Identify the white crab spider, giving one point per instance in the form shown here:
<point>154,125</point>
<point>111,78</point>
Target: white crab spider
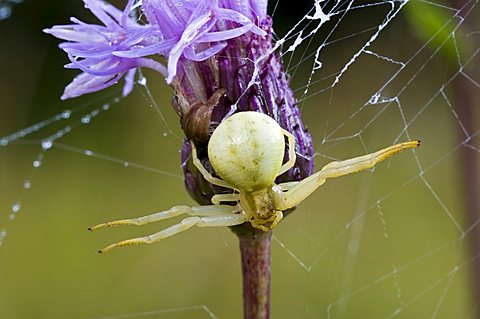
<point>246,151</point>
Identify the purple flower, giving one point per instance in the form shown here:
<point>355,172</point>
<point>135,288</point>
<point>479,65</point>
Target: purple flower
<point>218,57</point>
<point>92,48</point>
<point>177,30</point>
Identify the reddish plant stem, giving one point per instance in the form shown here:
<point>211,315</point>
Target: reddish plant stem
<point>255,253</point>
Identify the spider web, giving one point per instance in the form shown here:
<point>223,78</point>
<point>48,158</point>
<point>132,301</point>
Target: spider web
<point>394,242</point>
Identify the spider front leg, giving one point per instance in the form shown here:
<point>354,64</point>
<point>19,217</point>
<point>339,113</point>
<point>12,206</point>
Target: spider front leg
<point>222,198</point>
<point>296,193</point>
<point>203,216</point>
<point>292,157</point>
<point>260,223</point>
<point>206,174</point>
<point>286,186</point>
<point>209,221</point>
<point>277,219</point>
<point>210,210</point>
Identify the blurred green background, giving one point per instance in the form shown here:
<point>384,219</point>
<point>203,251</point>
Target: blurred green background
<point>392,243</point>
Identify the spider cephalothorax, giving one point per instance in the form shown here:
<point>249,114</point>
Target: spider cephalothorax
<point>246,151</point>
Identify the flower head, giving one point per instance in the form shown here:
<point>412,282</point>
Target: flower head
<point>218,56</point>
<point>97,49</point>
<point>177,30</point>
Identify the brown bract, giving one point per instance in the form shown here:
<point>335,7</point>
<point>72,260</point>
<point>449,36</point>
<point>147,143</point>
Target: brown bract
<point>197,121</point>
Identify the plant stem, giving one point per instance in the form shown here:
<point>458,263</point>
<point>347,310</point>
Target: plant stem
<point>255,253</point>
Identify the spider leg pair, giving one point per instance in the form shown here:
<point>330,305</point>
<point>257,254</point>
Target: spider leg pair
<point>201,216</point>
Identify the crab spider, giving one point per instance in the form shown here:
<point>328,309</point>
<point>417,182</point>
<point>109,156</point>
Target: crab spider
<point>246,151</point>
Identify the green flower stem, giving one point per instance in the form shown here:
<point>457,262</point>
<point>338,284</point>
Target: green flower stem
<point>255,253</point>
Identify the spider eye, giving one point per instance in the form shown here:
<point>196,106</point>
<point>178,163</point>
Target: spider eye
<point>247,150</point>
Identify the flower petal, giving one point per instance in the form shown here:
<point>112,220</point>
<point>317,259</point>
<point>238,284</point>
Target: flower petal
<point>194,30</point>
<point>102,11</point>
<point>225,35</point>
<point>191,54</point>
<point>158,48</point>
<point>129,82</point>
<point>71,33</point>
<point>239,18</point>
<point>106,67</point>
<point>259,9</point>
<point>87,83</point>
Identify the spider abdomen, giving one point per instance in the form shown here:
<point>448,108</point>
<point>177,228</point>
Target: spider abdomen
<point>247,150</point>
